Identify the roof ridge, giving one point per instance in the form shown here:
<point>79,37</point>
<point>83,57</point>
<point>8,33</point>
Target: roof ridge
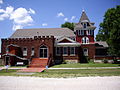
<point>40,28</point>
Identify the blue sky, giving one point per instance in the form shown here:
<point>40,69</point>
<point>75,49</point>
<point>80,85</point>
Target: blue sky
<point>16,14</point>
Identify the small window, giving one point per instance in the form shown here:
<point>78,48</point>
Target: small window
<point>85,51</point>
<point>58,50</point>
<point>32,51</point>
<point>72,51</point>
<point>65,51</point>
<point>84,25</point>
<point>24,51</point>
<point>82,32</point>
<point>91,32</point>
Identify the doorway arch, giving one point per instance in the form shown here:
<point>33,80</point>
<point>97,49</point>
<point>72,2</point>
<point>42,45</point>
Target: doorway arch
<point>43,52</point>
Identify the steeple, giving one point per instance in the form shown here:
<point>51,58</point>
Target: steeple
<point>84,30</point>
<point>84,17</point>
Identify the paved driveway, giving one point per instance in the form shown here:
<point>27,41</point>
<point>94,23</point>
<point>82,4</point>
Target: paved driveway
<point>81,83</point>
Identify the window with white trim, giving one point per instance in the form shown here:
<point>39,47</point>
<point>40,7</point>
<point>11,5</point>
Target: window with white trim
<point>88,32</point>
<point>58,50</point>
<point>32,51</point>
<point>72,51</point>
<point>84,25</point>
<point>82,32</point>
<point>65,51</point>
<point>24,51</point>
<point>85,51</point>
<point>91,32</point>
<point>85,40</point>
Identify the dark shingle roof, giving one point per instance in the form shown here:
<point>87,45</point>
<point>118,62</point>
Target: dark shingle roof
<point>30,33</point>
<point>84,17</point>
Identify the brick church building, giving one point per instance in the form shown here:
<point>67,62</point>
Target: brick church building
<point>50,46</point>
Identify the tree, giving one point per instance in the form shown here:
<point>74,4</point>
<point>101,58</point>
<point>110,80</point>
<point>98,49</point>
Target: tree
<point>68,25</point>
<point>109,30</point>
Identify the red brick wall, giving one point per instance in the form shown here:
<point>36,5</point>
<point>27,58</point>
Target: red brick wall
<point>35,42</point>
<point>91,50</point>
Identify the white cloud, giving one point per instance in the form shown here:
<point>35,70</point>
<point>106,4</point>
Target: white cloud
<point>31,11</point>
<point>6,13</point>
<point>60,14</point>
<point>3,16</point>
<point>44,24</point>
<point>2,11</point>
<point>65,19</point>
<point>20,16</point>
<point>15,27</point>
<point>9,10</point>
<point>1,1</point>
<point>73,17</point>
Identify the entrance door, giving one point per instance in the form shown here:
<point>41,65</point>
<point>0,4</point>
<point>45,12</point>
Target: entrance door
<point>7,60</point>
<point>43,52</point>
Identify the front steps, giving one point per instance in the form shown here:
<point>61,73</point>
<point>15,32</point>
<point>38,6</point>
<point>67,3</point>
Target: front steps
<point>37,65</point>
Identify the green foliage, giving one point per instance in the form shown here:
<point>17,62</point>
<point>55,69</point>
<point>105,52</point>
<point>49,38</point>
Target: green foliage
<point>68,25</point>
<point>105,60</point>
<point>109,30</point>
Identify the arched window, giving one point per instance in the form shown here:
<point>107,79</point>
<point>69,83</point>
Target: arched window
<point>85,40</point>
<point>43,52</point>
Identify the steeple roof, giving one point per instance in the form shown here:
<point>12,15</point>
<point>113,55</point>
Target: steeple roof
<point>84,20</point>
<point>84,17</point>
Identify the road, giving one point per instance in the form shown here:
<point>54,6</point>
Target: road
<point>80,83</point>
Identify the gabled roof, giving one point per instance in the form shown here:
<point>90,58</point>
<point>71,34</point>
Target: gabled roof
<point>66,38</point>
<point>68,44</point>
<point>84,17</point>
<point>101,44</point>
<point>30,33</point>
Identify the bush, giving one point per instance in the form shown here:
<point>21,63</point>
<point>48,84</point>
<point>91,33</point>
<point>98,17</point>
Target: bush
<point>105,61</point>
<point>116,61</point>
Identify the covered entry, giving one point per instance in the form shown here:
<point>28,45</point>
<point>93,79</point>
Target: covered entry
<point>43,52</point>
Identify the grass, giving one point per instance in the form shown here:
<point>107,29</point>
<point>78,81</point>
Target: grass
<point>10,72</point>
<point>70,73</point>
<point>67,73</point>
<point>78,65</point>
<point>79,73</point>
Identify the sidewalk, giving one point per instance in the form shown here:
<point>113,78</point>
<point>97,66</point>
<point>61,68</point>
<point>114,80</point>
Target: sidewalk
<point>12,68</point>
<point>88,68</point>
<point>66,68</point>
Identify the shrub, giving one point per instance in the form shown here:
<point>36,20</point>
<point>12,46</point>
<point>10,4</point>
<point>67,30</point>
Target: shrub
<point>105,61</point>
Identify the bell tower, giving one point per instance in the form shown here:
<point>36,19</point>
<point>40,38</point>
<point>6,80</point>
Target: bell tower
<point>84,30</point>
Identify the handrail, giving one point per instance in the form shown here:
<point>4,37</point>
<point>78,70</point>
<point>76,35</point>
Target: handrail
<point>49,60</point>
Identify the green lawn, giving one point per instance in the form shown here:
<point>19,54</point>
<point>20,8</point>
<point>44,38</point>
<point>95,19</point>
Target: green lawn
<point>67,73</point>
<point>10,72</point>
<point>78,73</point>
<point>78,65</point>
